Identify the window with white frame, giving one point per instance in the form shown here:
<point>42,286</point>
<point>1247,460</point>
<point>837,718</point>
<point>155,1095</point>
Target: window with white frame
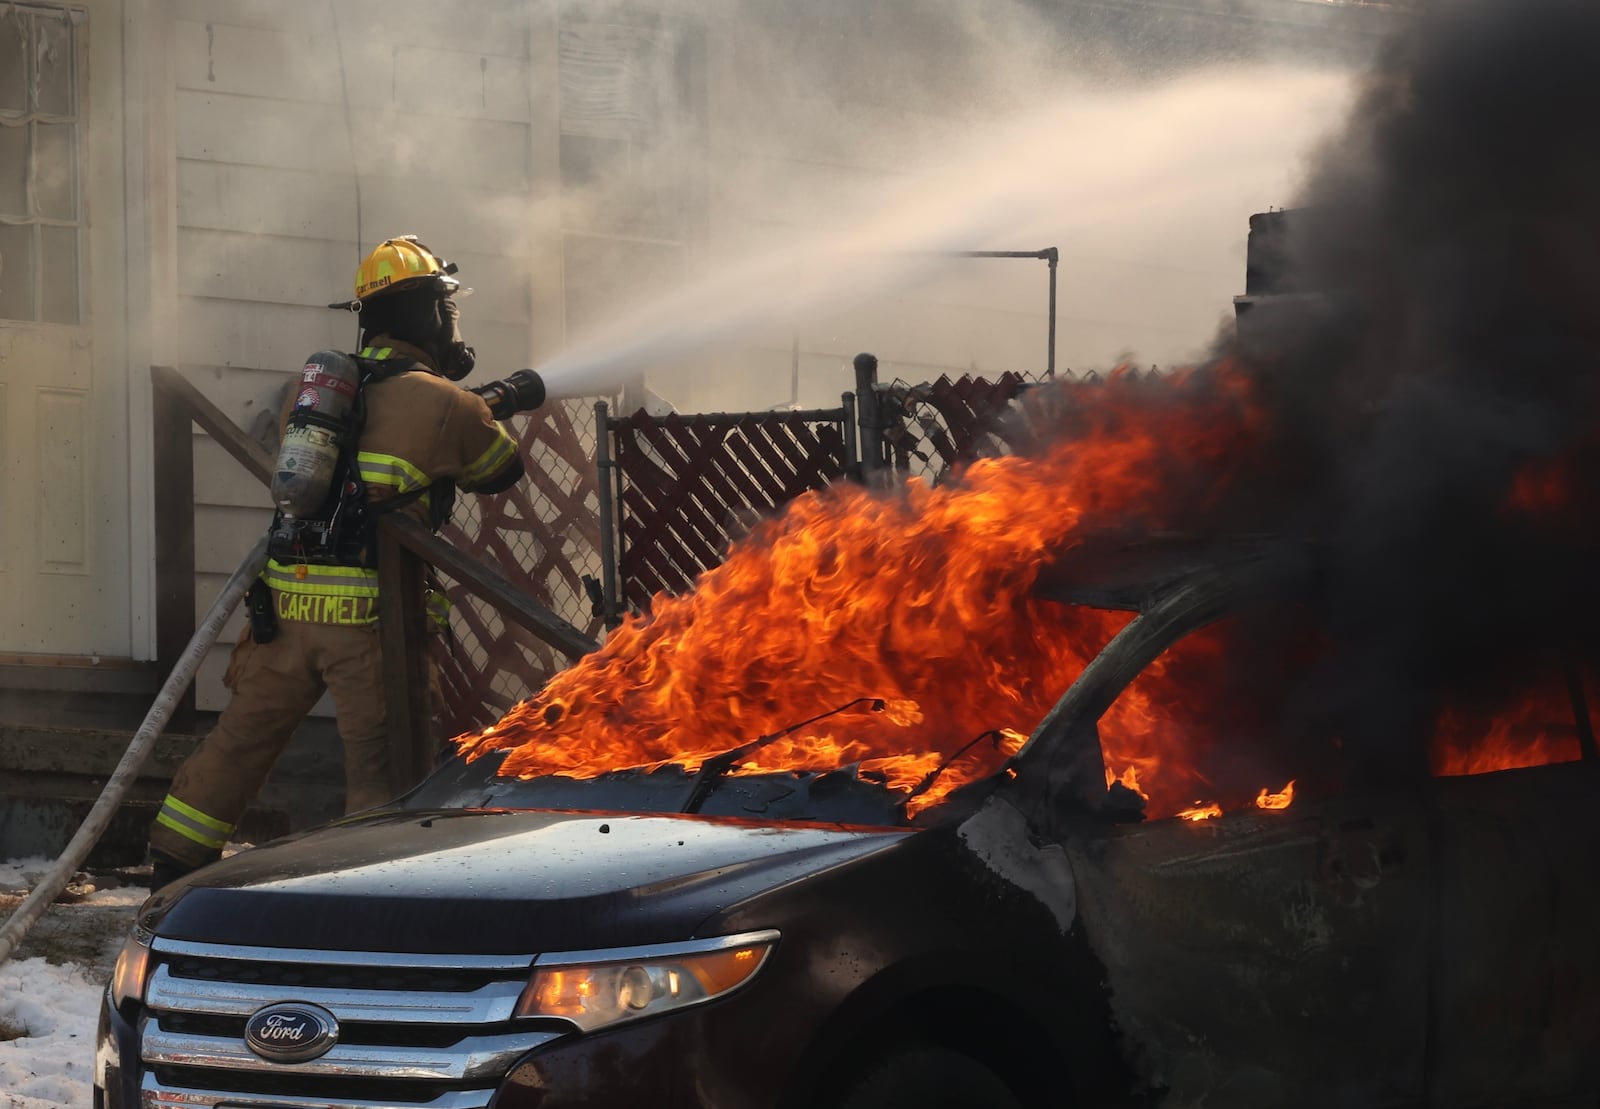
<point>41,207</point>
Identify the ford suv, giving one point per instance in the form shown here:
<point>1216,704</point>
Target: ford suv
<point>798,941</point>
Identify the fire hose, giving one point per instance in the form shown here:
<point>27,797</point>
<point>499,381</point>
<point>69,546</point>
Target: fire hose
<point>133,759</point>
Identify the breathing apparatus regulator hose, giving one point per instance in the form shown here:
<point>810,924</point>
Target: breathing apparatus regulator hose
<point>122,778</point>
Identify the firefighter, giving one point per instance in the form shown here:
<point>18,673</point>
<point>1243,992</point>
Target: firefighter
<point>314,610</point>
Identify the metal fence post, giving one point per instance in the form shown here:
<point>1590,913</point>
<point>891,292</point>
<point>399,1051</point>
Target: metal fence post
<point>847,429</point>
<point>1053,259</point>
<point>609,554</point>
<point>869,418</point>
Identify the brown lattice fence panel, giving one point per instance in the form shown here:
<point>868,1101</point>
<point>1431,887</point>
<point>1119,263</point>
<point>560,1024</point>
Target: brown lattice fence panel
<point>690,485</point>
<point>544,535</point>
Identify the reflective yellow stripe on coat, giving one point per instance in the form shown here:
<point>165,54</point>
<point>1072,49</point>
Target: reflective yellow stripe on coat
<point>390,471</point>
<point>492,460</point>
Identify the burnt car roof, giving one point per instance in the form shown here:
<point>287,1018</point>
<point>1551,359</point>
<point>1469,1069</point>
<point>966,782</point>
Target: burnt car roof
<point>1133,573</point>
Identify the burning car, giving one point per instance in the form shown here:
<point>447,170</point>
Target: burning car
<point>741,935</point>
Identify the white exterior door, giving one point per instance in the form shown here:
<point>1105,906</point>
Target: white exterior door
<point>63,390</point>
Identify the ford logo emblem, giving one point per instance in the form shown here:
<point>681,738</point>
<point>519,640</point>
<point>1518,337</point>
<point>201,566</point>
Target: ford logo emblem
<point>291,1032</point>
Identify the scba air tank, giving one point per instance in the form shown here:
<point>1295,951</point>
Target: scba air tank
<point>315,432</point>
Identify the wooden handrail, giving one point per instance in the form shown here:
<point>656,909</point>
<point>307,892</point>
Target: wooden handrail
<point>488,583</point>
<point>229,436</point>
<point>404,547</point>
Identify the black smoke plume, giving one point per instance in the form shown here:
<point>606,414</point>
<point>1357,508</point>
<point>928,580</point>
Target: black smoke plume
<point>1433,411</point>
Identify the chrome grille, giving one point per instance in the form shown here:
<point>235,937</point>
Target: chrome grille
<point>431,1031</point>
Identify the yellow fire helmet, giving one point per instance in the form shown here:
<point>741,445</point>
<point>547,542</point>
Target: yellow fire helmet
<point>400,263</point>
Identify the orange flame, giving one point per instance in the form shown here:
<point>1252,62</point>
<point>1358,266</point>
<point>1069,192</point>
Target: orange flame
<point>1280,800</point>
<point>1538,729</point>
<point>922,596</point>
<point>1129,779</point>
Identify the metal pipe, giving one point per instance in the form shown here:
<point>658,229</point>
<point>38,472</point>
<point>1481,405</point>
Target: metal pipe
<point>608,542</point>
<point>869,419</point>
<point>851,457</point>
<point>1052,259</point>
<point>122,778</point>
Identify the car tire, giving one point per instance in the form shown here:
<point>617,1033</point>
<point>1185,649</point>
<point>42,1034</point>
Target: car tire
<point>927,1077</point>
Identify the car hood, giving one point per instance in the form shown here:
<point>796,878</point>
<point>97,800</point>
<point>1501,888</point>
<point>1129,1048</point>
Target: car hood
<point>496,881</point>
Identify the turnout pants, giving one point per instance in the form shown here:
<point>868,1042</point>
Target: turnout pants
<point>275,685</point>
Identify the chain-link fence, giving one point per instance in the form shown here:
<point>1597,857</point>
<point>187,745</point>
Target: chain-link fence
<point>544,535</point>
<point>934,428</point>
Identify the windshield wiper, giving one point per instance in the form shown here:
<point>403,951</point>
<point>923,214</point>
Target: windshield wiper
<point>718,765</point>
<point>993,735</point>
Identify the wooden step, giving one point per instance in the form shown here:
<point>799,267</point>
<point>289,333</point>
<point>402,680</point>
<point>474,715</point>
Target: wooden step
<point>50,778</point>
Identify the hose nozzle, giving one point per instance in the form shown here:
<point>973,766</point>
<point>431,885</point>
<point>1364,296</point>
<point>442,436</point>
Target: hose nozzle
<point>522,391</point>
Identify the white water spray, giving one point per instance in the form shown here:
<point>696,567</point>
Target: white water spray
<point>1146,192</point>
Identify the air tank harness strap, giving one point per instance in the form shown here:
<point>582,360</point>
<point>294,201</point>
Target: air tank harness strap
<point>360,515</point>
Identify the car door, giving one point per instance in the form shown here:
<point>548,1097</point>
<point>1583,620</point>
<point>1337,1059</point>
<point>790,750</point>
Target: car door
<point>1267,958</point>
<point>1518,968</point>
<point>1259,958</point>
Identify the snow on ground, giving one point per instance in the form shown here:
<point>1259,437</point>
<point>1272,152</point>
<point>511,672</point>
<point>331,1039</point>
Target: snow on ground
<point>50,988</point>
<point>51,1011</point>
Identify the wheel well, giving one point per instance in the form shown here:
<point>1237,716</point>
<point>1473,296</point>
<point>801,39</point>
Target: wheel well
<point>967,1019</point>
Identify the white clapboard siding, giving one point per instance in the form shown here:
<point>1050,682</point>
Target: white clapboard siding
<point>492,27</point>
<point>219,127</point>
<point>456,216</point>
<point>269,201</point>
<point>287,134</point>
<point>278,65</point>
<point>218,332</point>
<point>294,65</point>
<point>264,269</point>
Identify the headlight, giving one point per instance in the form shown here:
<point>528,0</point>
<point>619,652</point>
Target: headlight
<point>132,970</point>
<point>594,989</point>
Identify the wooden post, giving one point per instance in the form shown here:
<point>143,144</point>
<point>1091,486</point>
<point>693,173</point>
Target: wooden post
<point>174,534</point>
<point>403,635</point>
